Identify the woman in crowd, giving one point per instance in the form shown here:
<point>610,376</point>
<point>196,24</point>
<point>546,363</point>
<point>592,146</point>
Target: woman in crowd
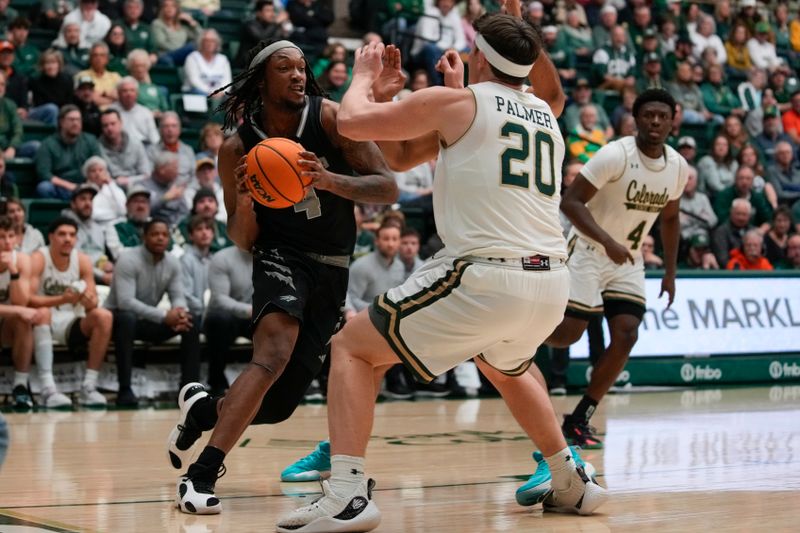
<point>174,33</point>
<point>717,169</point>
<point>207,69</point>
<point>153,97</point>
<point>118,49</point>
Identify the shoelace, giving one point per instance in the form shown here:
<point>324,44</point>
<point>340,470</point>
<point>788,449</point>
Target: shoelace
<point>186,434</point>
<point>207,487</point>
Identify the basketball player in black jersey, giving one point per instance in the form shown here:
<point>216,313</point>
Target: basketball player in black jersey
<point>300,253</point>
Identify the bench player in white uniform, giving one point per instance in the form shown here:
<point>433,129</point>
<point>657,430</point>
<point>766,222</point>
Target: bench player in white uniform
<point>62,279</point>
<point>612,205</point>
<point>498,288</point>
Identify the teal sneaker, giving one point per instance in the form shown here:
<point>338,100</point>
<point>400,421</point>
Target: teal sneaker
<point>312,467</point>
<point>538,485</point>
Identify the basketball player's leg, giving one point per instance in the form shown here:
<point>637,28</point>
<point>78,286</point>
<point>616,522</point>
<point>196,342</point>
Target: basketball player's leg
<point>96,326</point>
<point>568,331</point>
<point>16,333</point>
<point>624,333</point>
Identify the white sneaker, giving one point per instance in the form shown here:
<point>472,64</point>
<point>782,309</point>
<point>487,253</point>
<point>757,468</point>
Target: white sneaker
<point>91,398</point>
<point>334,514</point>
<point>183,436</point>
<point>52,399</point>
<point>197,497</point>
<point>582,497</point>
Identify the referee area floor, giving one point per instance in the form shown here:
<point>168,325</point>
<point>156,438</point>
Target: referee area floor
<point>681,460</point>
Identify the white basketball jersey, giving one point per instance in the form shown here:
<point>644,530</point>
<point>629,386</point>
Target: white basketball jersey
<point>632,189</point>
<point>5,281</point>
<point>496,190</point>
<point>54,281</point>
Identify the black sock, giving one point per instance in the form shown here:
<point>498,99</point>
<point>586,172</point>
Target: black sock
<point>204,414</point>
<point>585,408</point>
<point>207,465</point>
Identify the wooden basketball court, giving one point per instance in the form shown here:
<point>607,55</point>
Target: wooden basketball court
<point>688,460</point>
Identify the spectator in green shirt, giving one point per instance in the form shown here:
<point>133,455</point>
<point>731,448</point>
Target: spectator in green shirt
<point>61,155</point>
<point>117,49</point>
<point>760,214</point>
<point>614,66</point>
<point>718,97</point>
<point>151,96</point>
<point>562,57</point>
<point>76,56</point>
<point>650,77</point>
<point>205,204</point>
<point>10,123</point>
<point>26,56</point>
<point>137,33</point>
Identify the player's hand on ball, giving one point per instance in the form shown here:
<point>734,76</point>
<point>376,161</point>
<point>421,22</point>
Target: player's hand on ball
<point>369,61</point>
<point>618,253</point>
<point>240,175</point>
<point>314,171</point>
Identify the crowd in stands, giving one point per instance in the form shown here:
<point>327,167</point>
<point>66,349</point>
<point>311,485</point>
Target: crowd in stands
<point>146,203</point>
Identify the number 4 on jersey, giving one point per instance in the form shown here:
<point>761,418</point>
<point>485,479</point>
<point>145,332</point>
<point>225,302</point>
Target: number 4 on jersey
<point>310,204</point>
<point>636,235</point>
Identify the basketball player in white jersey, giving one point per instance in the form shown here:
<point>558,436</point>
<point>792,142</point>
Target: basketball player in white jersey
<point>62,280</point>
<point>612,205</point>
<point>498,288</point>
<point>16,319</point>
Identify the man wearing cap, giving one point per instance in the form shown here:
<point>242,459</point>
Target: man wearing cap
<point>84,100</point>
<point>206,178</point>
<point>718,97</point>
<point>687,147</point>
<point>682,53</point>
<point>698,255</point>
<point>105,81</point>
<point>697,217</point>
<point>93,24</point>
<point>16,83</point>
<point>137,120</point>
<point>206,205</point>
<point>582,96</point>
<point>26,55</point>
<point>762,52</point>
<point>91,235</point>
<point>128,233</point>
<point>771,134</point>
<point>651,73</point>
<point>127,158</point>
<point>61,155</point>
<point>614,66</point>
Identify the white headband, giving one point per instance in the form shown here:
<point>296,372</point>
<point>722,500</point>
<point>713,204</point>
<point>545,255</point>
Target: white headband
<point>499,62</point>
<point>271,49</point>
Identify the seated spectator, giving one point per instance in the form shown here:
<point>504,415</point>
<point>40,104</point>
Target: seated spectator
<point>207,70</point>
<point>7,15</point>
<point>717,169</point>
<point>687,93</point>
<point>166,198</point>
<point>83,99</point>
<point>582,96</point>
<point>73,50</point>
<point>415,183</point>
<point>749,256</point>
<point>409,250</point>
<point>585,140</point>
<point>264,26</point>
<point>696,215</point>
<point>16,83</point>
<point>206,178</point>
<point>748,157</point>
<point>705,37</point>
<point>784,174</point>
<point>54,11</point>
<point>151,96</point>
<point>734,131</point>
<point>650,77</point>
<point>205,7</point>
<point>91,235</point>
<point>29,239</point>
<point>376,272</point>
<point>793,253</point>
<point>50,87</point>
<point>668,35</point>
<point>211,138</point>
<point>118,49</point>
<point>601,33</point>
<point>63,282</point>
<point>776,239</point>
<point>194,262</point>
<point>626,127</point>
<point>624,108</point>
<point>61,155</point>
<point>687,147</point>
<point>335,80</point>
<point>205,205</point>
<point>174,33</point>
<point>563,58</point>
<point>93,24</point>
<point>752,91</point>
<point>365,239</point>
<point>105,81</point>
<point>127,158</point>
<point>169,128</point>
<point>311,19</point>
<point>144,274</point>
<point>718,97</point>
<point>26,55</point>
<point>128,233</point>
<point>577,37</point>
<point>682,54</point>
<point>761,212</point>
<point>641,27</point>
<point>770,136</point>
<point>791,119</point>
<point>762,51</point>
<point>739,63</point>
<point>614,66</point>
<point>728,235</point>
<point>11,127</point>
<point>782,88</point>
<point>229,311</point>
<point>137,120</point>
<point>651,260</point>
<point>108,205</point>
<point>437,32</point>
<point>138,34</point>
<point>699,255</point>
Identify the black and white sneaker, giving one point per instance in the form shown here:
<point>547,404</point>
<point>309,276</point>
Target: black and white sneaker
<point>184,435</point>
<point>196,496</point>
<point>582,497</point>
<point>335,514</point>
<point>21,398</point>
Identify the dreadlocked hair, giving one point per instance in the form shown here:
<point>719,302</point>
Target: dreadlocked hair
<point>244,95</point>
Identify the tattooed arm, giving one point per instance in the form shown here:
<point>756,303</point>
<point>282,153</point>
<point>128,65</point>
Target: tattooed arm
<point>375,184</point>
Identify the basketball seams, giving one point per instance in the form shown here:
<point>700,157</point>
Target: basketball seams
<point>266,177</point>
<point>299,179</point>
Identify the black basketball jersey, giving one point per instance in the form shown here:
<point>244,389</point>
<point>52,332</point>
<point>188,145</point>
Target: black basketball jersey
<point>323,222</point>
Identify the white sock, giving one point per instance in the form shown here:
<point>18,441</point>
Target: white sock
<point>43,351</point>
<point>347,472</point>
<point>20,378</point>
<point>90,379</point>
<point>562,465</point>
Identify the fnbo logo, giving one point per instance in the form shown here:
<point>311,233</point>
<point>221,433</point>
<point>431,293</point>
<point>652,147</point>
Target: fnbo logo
<point>776,370</point>
<point>691,372</point>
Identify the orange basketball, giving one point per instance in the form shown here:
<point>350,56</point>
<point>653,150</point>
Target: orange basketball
<point>273,175</point>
